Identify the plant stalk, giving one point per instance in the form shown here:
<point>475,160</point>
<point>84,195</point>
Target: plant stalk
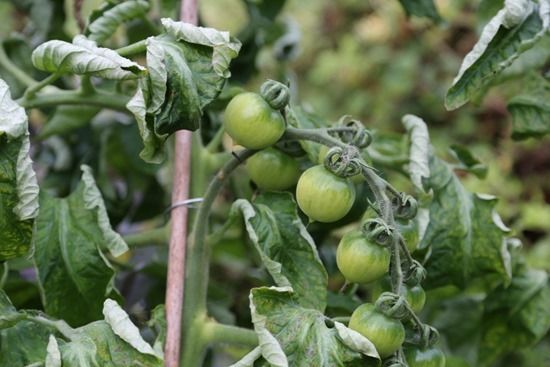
<point>17,73</point>
<point>100,99</point>
<point>198,267</point>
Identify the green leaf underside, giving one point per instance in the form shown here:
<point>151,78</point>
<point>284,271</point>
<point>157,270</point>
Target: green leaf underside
<point>18,186</point>
<point>83,57</point>
<point>69,236</point>
<point>285,247</point>
<point>499,45</point>
<point>421,8</point>
<point>530,114</point>
<point>67,119</point>
<point>418,167</point>
<point>105,21</point>
<point>291,335</point>
<point>113,342</point>
<point>465,234</point>
<point>187,67</point>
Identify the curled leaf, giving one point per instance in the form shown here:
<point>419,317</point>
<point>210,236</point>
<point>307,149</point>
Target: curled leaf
<point>83,57</point>
<point>418,167</point>
<point>224,47</point>
<point>107,20</point>
<point>512,31</point>
<point>122,326</point>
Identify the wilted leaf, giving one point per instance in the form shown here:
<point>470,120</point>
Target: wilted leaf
<point>124,328</point>
<point>18,186</point>
<point>187,67</point>
<point>419,151</point>
<point>466,235</point>
<point>514,29</point>
<point>291,335</point>
<point>105,21</point>
<point>83,57</point>
<point>69,238</point>
<point>531,114</point>
<point>285,247</point>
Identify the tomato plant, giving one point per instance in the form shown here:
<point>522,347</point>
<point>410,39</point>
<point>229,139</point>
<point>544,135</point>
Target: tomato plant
<point>130,230</point>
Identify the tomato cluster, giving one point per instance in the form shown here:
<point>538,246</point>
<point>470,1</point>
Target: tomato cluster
<point>361,256</point>
<point>253,123</point>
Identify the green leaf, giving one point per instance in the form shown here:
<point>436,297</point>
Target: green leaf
<point>515,317</point>
<point>67,119</point>
<point>115,342</point>
<point>70,235</point>
<point>531,113</point>
<point>419,151</point>
<point>83,57</point>
<point>465,234</point>
<point>105,21</point>
<point>187,67</point>
<point>291,335</point>
<point>468,161</point>
<point>514,30</point>
<point>8,314</point>
<point>285,247</point>
<point>18,186</point>
<point>297,117</point>
<point>421,8</point>
<point>224,48</point>
<point>23,344</point>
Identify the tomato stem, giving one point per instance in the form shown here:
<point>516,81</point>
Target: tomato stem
<point>12,69</point>
<point>133,49</point>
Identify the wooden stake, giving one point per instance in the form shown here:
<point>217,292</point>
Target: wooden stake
<point>178,236</point>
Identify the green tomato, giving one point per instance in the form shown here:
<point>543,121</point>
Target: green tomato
<point>385,333</point>
<point>323,196</point>
<point>430,357</point>
<point>271,169</point>
<point>409,231</point>
<point>360,260</point>
<point>251,122</point>
<point>416,298</point>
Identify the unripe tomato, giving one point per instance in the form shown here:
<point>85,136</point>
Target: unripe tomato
<point>385,333</point>
<point>430,357</point>
<point>323,196</point>
<point>271,169</point>
<point>251,122</point>
<point>361,260</point>
<point>416,297</point>
<point>409,231</point>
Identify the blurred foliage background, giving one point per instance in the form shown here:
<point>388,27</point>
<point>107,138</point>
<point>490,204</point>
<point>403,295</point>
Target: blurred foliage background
<point>357,57</point>
<point>367,59</point>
